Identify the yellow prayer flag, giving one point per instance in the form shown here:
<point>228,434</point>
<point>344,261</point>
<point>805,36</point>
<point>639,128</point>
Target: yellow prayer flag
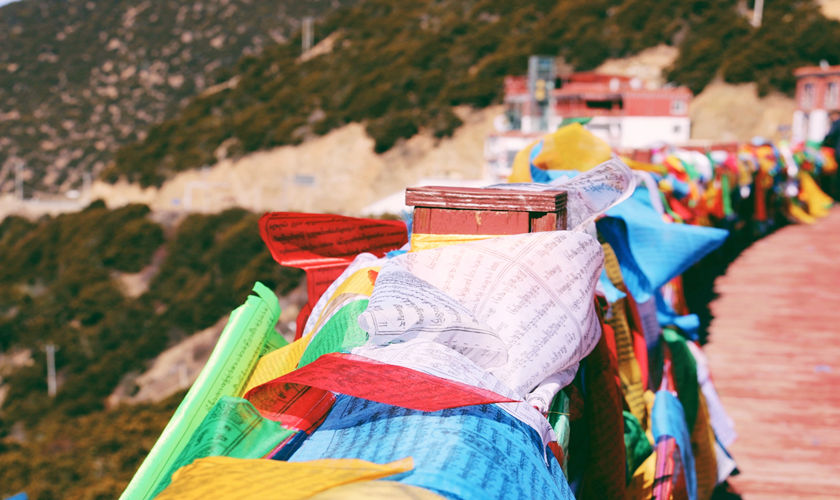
<point>703,448</point>
<point>571,147</point>
<point>277,363</point>
<point>377,490</point>
<point>641,485</point>
<point>817,202</point>
<point>422,241</point>
<point>226,477</point>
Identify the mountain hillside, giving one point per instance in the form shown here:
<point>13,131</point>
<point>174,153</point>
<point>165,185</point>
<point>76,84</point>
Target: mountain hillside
<point>152,91</point>
<point>830,8</point>
<point>400,67</point>
<point>179,86</point>
<point>80,77</point>
<point>111,289</point>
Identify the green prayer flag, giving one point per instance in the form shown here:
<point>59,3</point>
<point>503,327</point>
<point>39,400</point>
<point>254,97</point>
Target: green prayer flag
<point>339,333</point>
<point>684,371</point>
<point>232,428</point>
<point>558,418</point>
<point>636,443</point>
<point>726,193</point>
<point>225,374</point>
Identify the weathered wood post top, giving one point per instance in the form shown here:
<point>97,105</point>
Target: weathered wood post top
<point>496,211</point>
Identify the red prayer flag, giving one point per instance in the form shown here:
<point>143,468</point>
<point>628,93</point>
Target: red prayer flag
<point>604,469</point>
<point>375,381</point>
<point>323,245</point>
<point>669,479</point>
<point>295,406</point>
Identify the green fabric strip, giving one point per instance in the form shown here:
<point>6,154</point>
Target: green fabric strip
<point>232,428</point>
<point>684,371</point>
<point>636,443</point>
<point>340,334</point>
<point>225,374</point>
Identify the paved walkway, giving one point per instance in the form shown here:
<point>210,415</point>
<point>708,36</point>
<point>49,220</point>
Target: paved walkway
<point>774,349</point>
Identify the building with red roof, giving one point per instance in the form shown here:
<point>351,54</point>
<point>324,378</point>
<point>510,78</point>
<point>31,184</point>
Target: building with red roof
<point>817,94</point>
<point>623,111</point>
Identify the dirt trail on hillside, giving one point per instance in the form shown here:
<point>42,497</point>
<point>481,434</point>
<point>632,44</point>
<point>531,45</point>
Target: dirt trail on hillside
<point>648,65</point>
<point>338,173</point>
<point>722,112</point>
<point>726,112</point>
<point>831,8</point>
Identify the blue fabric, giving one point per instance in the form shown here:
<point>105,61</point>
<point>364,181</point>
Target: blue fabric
<point>614,232</point>
<point>681,189</point>
<point>537,174</point>
<point>612,293</point>
<point>689,324</point>
<point>668,419</point>
<point>651,251</point>
<point>471,452</point>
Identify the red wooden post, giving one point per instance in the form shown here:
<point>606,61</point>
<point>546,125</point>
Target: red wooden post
<point>450,210</point>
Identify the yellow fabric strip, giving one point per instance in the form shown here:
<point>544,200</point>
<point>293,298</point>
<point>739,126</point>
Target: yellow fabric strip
<point>649,397</point>
<point>225,477</point>
<point>277,363</point>
<point>647,167</point>
<point>377,490</point>
<point>359,283</point>
<point>628,368</point>
<point>423,241</point>
<point>703,448</point>
<point>799,214</point>
<point>817,202</point>
<point>641,485</point>
<point>284,360</point>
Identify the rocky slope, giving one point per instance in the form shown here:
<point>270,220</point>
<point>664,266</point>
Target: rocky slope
<point>80,77</point>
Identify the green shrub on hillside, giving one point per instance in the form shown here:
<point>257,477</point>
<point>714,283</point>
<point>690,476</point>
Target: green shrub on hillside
<point>201,274</point>
<point>62,289</point>
<point>388,130</point>
<point>793,34</point>
<point>62,282</point>
<point>701,55</point>
<point>128,250</point>
<point>87,457</point>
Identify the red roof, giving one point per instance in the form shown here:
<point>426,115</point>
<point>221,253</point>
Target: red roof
<point>592,77</point>
<point>816,71</point>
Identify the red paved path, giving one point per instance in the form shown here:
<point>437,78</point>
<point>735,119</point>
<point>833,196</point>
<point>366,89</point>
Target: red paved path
<point>774,349</point>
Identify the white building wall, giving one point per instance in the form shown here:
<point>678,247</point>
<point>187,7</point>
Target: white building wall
<point>500,150</point>
<point>529,124</point>
<point>799,129</point>
<point>817,125</point>
<point>607,128</point>
<point>642,131</point>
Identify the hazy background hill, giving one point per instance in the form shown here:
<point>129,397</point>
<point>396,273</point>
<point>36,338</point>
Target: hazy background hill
<point>400,67</point>
<point>80,77</point>
<point>166,85</point>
